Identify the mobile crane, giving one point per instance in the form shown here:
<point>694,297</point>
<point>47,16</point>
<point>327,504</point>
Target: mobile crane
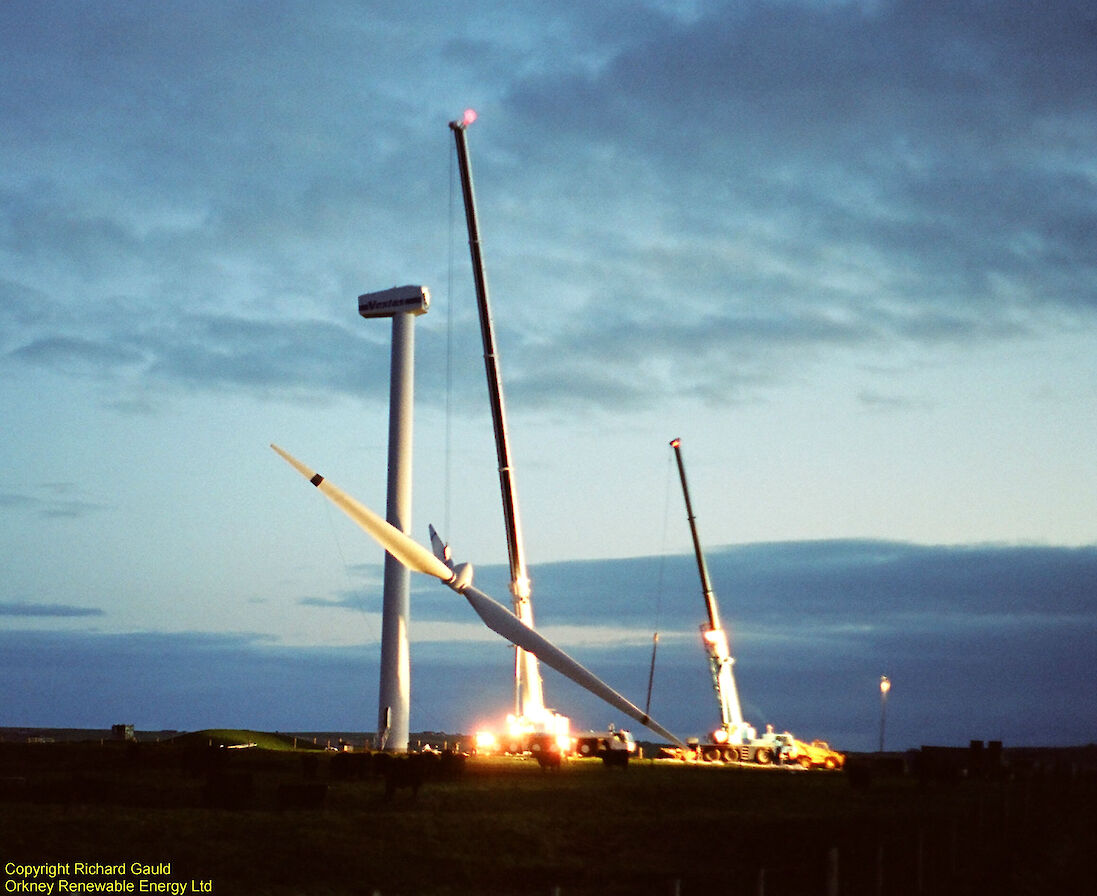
<point>532,725</point>
<point>735,740</point>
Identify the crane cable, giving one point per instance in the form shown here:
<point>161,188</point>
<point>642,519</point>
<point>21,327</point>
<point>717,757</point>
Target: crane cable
<point>447,489</point>
<point>659,585</point>
<point>352,587</point>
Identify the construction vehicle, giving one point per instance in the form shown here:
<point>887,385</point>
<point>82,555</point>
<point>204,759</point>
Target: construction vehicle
<point>735,740</point>
<point>614,746</point>
<point>767,749</point>
<point>818,754</point>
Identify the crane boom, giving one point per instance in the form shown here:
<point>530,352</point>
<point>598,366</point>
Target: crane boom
<point>714,637</point>
<point>528,676</point>
<point>702,567</point>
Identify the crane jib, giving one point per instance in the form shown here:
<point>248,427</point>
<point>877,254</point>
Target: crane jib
<point>702,567</point>
<point>515,547</point>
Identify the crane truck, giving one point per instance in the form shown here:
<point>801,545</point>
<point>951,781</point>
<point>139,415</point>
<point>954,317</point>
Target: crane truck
<point>735,740</point>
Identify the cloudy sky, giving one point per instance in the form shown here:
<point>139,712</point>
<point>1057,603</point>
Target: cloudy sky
<point>846,250</point>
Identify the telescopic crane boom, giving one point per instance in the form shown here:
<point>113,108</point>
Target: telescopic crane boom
<point>530,694</point>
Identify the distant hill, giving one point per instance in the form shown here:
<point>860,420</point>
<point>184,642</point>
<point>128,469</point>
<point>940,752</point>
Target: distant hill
<point>29,734</point>
<point>278,740</point>
<point>243,738</point>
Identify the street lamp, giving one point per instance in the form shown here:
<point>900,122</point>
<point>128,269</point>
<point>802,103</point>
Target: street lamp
<point>885,686</point>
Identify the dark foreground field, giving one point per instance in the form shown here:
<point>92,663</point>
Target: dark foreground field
<point>240,822</point>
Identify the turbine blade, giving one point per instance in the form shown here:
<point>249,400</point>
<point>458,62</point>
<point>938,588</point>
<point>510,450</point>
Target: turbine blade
<point>440,548</point>
<point>401,546</point>
<point>502,621</point>
<point>494,615</point>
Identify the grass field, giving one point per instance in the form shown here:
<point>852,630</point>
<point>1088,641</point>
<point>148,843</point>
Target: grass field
<point>504,826</point>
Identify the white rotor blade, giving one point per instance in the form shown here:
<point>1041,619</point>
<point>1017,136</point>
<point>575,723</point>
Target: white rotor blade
<point>440,548</point>
<point>403,548</point>
<point>502,621</point>
<point>495,616</point>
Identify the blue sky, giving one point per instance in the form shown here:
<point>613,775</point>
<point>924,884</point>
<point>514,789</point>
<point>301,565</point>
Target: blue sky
<point>846,251</point>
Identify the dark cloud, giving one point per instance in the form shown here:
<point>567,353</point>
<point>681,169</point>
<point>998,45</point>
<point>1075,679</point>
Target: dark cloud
<point>75,355</point>
<point>33,610</point>
<point>350,600</point>
<point>279,358</point>
<point>858,580</point>
<point>54,501</point>
<point>883,404</point>
<point>186,681</point>
<point>808,588</point>
<point>719,355</point>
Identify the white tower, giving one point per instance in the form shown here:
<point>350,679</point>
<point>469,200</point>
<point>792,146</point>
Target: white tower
<point>403,304</point>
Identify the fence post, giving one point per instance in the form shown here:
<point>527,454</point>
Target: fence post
<point>920,874</point>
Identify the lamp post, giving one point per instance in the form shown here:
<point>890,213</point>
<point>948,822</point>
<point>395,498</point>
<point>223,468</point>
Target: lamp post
<point>885,686</point>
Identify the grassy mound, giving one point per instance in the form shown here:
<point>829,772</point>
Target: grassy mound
<point>243,738</point>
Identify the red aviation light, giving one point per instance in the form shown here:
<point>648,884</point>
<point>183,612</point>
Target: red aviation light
<point>469,117</point>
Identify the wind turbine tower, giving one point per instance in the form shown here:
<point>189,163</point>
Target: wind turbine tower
<point>403,304</point>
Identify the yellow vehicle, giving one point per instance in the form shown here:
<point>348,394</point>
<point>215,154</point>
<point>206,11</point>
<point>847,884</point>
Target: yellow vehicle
<point>818,754</point>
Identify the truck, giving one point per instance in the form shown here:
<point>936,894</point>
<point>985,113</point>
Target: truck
<point>768,749</point>
<point>735,740</point>
<point>818,754</point>
<point>614,746</point>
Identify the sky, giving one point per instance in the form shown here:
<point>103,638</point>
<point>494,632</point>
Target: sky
<point>847,251</point>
